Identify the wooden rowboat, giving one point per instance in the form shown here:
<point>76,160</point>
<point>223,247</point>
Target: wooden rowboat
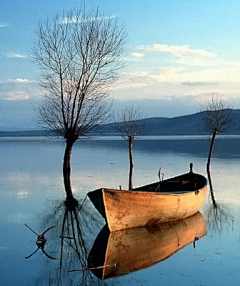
<point>168,200</point>
<point>120,252</point>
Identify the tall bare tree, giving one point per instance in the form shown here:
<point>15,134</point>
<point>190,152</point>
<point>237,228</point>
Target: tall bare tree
<point>80,55</point>
<point>130,123</point>
<point>216,116</point>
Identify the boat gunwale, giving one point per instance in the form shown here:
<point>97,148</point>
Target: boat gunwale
<point>154,193</point>
<point>172,193</point>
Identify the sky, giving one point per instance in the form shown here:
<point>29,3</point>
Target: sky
<point>179,53</point>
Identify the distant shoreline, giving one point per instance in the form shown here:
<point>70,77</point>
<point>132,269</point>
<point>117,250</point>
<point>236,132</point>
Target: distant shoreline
<point>154,126</point>
<point>117,137</point>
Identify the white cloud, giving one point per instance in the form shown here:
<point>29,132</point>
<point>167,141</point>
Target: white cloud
<point>16,55</point>
<point>137,55</point>
<point>168,74</point>
<point>182,77</point>
<point>199,83</point>
<point>183,74</point>
<point>190,71</point>
<point>18,89</point>
<point>19,80</point>
<point>75,20</point>
<point>161,75</point>
<point>177,51</point>
<point>3,25</point>
<point>14,95</point>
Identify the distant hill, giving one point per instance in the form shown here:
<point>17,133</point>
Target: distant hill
<point>182,125</point>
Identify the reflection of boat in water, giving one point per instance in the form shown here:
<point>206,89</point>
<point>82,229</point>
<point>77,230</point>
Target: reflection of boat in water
<point>117,253</point>
<point>172,199</point>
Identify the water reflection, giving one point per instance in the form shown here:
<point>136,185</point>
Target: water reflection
<point>219,219</point>
<point>69,242</point>
<point>82,261</point>
<point>71,234</point>
<point>118,253</point>
<point>218,216</point>
<point>40,242</point>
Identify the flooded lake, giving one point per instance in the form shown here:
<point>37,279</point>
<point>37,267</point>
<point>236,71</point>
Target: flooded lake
<point>202,250</point>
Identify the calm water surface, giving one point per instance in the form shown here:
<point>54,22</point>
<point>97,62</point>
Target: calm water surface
<point>32,193</point>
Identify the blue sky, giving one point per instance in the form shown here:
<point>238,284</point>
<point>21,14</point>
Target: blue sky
<point>178,54</point>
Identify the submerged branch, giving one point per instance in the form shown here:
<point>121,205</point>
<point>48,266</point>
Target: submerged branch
<point>94,268</point>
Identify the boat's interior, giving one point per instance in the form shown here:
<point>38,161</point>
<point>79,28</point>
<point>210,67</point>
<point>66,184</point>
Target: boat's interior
<point>177,186</point>
<point>185,183</point>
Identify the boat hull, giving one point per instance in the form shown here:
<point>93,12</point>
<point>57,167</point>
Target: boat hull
<point>126,209</point>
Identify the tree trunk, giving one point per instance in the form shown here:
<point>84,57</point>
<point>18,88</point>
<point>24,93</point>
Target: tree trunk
<point>211,189</point>
<point>67,168</point>
<point>130,146</point>
<point>211,150</point>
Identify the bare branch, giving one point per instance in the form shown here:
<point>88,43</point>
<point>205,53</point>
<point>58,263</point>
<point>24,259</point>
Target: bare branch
<point>130,122</point>
<point>80,55</point>
<point>216,115</point>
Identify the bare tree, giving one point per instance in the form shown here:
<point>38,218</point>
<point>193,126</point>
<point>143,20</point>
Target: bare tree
<point>130,123</point>
<point>80,55</point>
<point>216,115</point>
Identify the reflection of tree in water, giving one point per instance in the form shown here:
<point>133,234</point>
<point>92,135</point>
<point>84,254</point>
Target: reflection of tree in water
<point>218,216</point>
<point>219,219</point>
<point>71,243</point>
<point>40,242</point>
